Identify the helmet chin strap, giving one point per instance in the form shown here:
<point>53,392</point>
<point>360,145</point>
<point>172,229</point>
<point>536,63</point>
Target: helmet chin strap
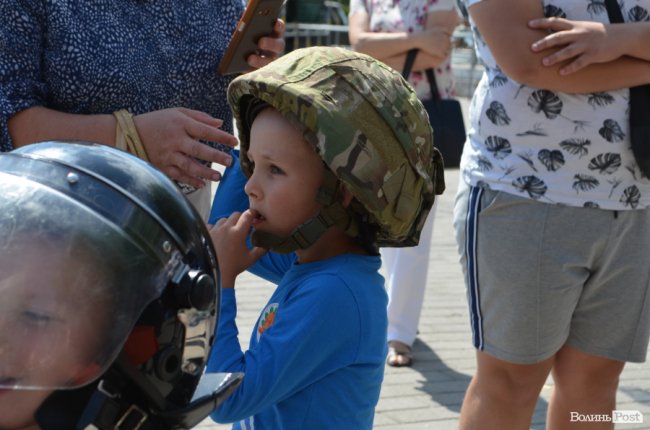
<point>331,214</point>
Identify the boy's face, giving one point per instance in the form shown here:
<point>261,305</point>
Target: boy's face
<point>286,176</point>
<point>46,334</point>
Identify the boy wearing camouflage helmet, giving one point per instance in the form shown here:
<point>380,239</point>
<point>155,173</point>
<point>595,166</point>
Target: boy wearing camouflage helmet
<point>337,159</point>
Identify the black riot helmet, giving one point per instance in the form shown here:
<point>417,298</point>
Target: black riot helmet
<point>110,291</point>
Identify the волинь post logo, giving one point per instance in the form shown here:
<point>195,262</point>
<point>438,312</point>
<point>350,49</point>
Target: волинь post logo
<point>618,417</point>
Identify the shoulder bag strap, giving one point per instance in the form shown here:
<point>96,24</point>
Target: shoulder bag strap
<point>614,12</point>
<point>408,63</point>
<point>431,77</point>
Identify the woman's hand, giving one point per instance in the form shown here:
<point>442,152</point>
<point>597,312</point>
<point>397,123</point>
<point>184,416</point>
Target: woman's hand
<point>270,47</point>
<point>171,139</point>
<point>229,239</point>
<point>579,43</point>
<point>435,41</point>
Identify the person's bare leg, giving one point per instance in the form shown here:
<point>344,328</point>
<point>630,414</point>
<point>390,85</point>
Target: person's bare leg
<point>502,395</point>
<point>584,384</point>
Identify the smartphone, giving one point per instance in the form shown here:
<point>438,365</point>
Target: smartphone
<point>257,21</point>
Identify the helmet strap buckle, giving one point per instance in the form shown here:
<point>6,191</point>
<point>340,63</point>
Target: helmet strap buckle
<point>133,419</point>
<point>308,233</point>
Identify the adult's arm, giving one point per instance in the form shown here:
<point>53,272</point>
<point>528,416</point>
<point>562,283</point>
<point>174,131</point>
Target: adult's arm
<point>580,43</point>
<point>503,25</point>
<point>434,42</point>
<point>170,137</point>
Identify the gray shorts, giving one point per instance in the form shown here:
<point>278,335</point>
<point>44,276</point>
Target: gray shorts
<point>540,276</point>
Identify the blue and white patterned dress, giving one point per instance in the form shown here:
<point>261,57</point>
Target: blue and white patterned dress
<point>95,57</point>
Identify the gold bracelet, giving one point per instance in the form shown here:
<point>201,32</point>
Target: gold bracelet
<point>126,135</point>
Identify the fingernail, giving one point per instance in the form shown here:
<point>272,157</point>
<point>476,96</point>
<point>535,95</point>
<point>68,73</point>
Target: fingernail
<point>546,61</point>
<point>216,176</point>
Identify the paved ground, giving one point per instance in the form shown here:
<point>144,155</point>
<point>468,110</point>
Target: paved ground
<point>429,395</point>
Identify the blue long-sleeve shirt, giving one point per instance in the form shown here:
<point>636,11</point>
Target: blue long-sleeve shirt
<point>316,357</point>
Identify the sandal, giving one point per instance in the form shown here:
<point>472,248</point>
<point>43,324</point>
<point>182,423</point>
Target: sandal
<point>399,354</point>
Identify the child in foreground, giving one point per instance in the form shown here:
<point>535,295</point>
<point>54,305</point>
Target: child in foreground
<point>339,160</point>
<point>99,253</point>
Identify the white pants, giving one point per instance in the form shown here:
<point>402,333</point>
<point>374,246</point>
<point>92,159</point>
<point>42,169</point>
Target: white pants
<point>201,199</point>
<point>406,279</point>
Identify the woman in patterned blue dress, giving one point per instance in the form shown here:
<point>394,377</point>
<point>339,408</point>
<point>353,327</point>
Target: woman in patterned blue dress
<point>553,212</point>
<point>67,65</point>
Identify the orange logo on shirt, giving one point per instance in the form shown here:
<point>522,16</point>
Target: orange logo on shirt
<point>267,318</point>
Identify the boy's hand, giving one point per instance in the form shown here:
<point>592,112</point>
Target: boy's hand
<point>579,43</point>
<point>229,239</point>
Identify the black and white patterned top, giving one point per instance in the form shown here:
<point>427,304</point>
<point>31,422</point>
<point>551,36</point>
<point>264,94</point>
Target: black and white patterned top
<point>555,147</point>
<point>98,56</point>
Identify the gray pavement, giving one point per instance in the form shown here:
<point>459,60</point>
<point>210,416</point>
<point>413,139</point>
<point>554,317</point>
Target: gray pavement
<point>429,394</point>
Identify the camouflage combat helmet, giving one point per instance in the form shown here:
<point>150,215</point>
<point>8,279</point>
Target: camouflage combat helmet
<point>371,131</point>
